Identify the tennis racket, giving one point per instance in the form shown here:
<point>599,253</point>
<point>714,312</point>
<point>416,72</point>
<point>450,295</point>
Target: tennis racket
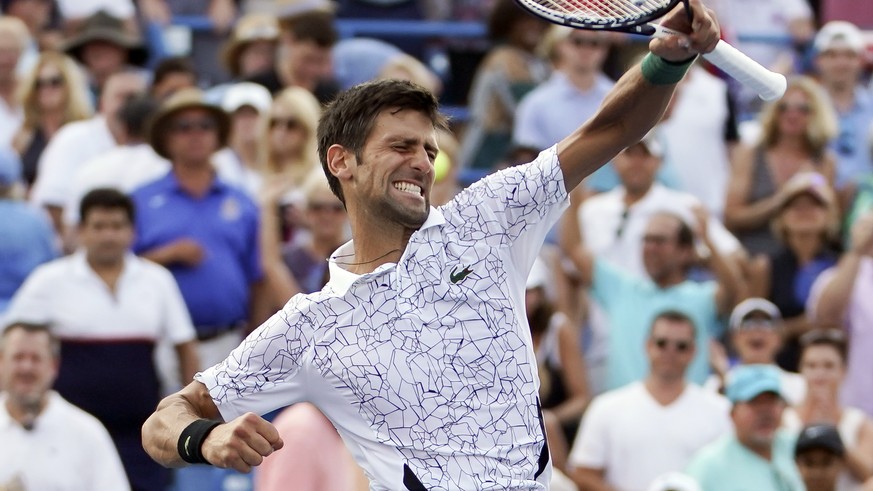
<point>633,16</point>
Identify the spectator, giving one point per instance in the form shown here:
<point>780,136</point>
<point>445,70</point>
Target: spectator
<point>52,94</point>
<point>756,336</point>
<point>251,48</point>
<point>26,236</point>
<point>757,455</point>
<point>358,60</point>
<point>76,12</point>
<point>806,225</point>
<point>314,457</point>
<point>303,57</point>
<point>634,434</point>
<point>839,48</point>
<point>631,302</point>
<point>510,70</point>
<point>104,47</point>
<point>823,365</point>
<point>171,75</point>
<point>48,443</point>
<point>577,86</point>
<point>125,167</point>
<point>674,481</point>
<point>841,297</point>
<point>77,143</point>
<point>110,308</point>
<point>563,385</point>
<point>795,133</point>
<point>203,230</point>
<point>248,105</point>
<point>43,23</point>
<point>820,457</point>
<point>14,39</point>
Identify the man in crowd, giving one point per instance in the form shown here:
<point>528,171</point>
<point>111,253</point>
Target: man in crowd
<point>757,455</point>
<point>634,434</point>
<point>47,443</point>
<point>820,457</point>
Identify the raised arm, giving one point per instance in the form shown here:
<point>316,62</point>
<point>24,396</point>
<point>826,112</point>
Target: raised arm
<point>239,444</point>
<point>637,101</point>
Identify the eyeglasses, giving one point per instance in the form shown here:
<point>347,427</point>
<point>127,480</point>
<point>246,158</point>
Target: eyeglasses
<point>53,82</point>
<point>322,207</point>
<point>657,240</point>
<point>624,216</point>
<point>801,108</point>
<point>579,42</point>
<point>289,124</point>
<point>681,346</point>
<point>191,125</point>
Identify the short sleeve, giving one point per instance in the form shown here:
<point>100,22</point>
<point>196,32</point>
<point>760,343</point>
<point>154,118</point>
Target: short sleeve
<point>527,131</point>
<point>32,302</point>
<point>607,281</point>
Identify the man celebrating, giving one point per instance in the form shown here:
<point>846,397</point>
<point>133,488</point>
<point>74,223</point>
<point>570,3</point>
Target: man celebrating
<point>417,349</point>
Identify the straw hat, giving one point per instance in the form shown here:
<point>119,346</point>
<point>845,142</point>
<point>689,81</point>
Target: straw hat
<point>188,98</point>
<point>104,27</point>
<point>250,28</point>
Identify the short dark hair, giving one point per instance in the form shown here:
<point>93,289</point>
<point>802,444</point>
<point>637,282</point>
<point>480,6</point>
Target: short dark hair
<point>833,337</point>
<point>174,64</point>
<point>685,235</point>
<point>349,119</point>
<point>135,114</point>
<point>503,17</point>
<point>106,198</point>
<point>676,317</point>
<point>54,342</point>
<point>317,27</point>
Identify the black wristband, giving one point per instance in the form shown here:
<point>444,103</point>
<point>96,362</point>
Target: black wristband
<point>191,440</point>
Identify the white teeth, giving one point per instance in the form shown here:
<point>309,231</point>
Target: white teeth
<point>407,187</point>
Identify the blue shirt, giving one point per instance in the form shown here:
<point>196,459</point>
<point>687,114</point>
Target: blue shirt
<point>727,465</point>
<point>26,241</point>
<point>225,223</point>
<point>632,304</point>
<point>851,145</point>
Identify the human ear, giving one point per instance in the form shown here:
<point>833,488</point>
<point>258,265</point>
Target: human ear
<point>338,162</point>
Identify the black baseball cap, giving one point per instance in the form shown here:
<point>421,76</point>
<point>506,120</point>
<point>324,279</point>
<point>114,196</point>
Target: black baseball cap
<point>824,437</point>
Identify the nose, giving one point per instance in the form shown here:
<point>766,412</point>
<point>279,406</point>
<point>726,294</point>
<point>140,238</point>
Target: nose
<point>421,162</point>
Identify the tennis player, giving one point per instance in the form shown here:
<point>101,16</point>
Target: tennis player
<point>417,349</point>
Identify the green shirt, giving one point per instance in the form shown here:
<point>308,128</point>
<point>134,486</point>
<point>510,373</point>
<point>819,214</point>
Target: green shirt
<point>726,465</point>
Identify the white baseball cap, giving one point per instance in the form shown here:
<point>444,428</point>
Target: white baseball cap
<point>750,306</point>
<point>838,34</point>
<point>246,94</point>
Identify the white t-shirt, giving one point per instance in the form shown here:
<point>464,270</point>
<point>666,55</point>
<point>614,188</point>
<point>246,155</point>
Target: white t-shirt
<point>232,171</point>
<point>67,450</point>
<point>78,9</point>
<point>124,168</point>
<point>426,366</point>
<point>634,439</point>
<point>73,145</point>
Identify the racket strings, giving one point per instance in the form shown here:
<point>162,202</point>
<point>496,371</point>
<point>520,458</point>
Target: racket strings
<point>603,9</point>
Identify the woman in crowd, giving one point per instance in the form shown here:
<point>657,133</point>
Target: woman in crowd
<point>795,132</point>
<point>823,365</point>
<point>52,94</point>
<point>806,226</point>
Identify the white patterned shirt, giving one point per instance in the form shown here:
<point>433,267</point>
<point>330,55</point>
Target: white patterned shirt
<point>425,366</point>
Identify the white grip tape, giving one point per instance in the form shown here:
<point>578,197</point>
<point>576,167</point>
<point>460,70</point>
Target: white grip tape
<point>769,85</point>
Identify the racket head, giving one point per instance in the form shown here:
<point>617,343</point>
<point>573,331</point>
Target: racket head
<point>608,15</point>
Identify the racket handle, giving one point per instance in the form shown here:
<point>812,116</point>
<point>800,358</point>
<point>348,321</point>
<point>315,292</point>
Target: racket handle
<point>769,85</point>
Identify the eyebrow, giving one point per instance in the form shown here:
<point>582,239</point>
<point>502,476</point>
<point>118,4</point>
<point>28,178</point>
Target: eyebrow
<point>412,141</point>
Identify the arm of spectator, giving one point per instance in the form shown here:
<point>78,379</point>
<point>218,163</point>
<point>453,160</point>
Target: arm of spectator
<point>794,327</point>
<point>575,375</point>
<point>239,444</point>
<point>570,239</point>
<point>739,214</point>
<point>261,303</point>
<point>156,11</point>
<point>189,360</point>
<point>185,251</point>
<point>281,284</point>
<point>727,277</point>
<point>758,276</point>
<point>830,308</point>
<point>222,14</point>
<point>589,479</point>
<point>859,458</point>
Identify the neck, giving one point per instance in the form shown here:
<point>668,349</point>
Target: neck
<point>665,390</point>
<point>115,129</point>
<point>247,151</point>
<point>804,245</point>
<point>763,451</point>
<point>26,414</point>
<point>51,120</point>
<point>792,143</point>
<point>631,197</point>
<point>581,79</point>
<point>670,280</point>
<point>194,177</point>
<point>382,243</point>
<point>842,95</point>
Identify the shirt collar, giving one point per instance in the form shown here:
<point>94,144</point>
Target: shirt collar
<point>170,183</point>
<point>82,269</point>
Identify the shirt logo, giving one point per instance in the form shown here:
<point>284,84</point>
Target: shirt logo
<point>457,276</point>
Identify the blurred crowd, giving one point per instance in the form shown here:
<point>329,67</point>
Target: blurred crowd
<point>702,316</point>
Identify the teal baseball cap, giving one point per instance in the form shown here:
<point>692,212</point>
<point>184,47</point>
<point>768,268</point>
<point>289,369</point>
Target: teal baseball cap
<point>746,382</point>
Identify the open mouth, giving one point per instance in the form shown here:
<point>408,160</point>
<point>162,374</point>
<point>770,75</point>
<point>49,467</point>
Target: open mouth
<point>410,188</point>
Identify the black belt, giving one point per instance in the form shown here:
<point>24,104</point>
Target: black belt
<point>206,333</point>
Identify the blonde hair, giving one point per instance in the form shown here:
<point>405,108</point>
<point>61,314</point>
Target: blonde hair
<point>307,110</point>
<point>78,105</point>
<point>822,125</point>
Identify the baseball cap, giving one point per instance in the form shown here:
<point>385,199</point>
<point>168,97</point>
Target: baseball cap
<point>838,34</point>
<point>751,306</point>
<point>10,167</point>
<point>812,183</point>
<point>674,481</point>
<point>746,382</point>
<point>246,94</point>
<point>819,436</point>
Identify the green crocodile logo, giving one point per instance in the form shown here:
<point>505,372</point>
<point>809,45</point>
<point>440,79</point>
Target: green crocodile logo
<point>457,276</point>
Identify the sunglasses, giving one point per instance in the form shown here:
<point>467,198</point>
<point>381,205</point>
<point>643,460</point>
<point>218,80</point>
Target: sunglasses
<point>191,125</point>
<point>289,124</point>
<point>53,82</point>
<point>801,108</point>
<point>321,207</point>
<point>579,42</point>
<point>681,346</point>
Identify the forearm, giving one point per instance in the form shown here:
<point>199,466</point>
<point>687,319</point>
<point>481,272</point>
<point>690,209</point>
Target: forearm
<point>590,479</point>
<point>160,433</point>
<point>740,217</point>
<point>859,465</point>
<point>797,326</point>
<point>570,411</point>
<point>163,255</point>
<point>726,275</point>
<point>834,298</point>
